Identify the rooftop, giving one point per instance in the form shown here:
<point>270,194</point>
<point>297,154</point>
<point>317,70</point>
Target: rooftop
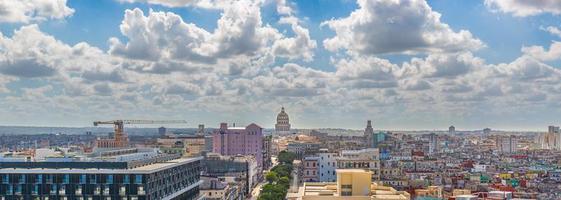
<point>92,167</point>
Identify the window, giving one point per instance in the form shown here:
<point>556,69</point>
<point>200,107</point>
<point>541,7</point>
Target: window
<point>126,179</point>
<point>22,178</point>
<point>347,186</point>
<point>66,179</point>
<point>39,179</point>
<point>82,179</point>
<point>109,179</point>
<point>346,193</point>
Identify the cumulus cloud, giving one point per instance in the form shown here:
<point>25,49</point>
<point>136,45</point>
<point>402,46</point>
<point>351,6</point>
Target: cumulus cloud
<point>442,65</point>
<point>402,26</point>
<point>552,30</point>
<point>209,4</point>
<point>30,53</point>
<point>538,52</point>
<point>161,36</point>
<point>366,72</point>
<point>523,8</point>
<point>299,46</point>
<point>25,11</point>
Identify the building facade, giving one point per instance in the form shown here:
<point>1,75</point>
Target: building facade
<point>327,165</point>
<point>189,145</point>
<point>267,151</point>
<point>310,169</point>
<point>239,141</point>
<point>368,159</point>
<point>351,184</point>
<point>171,179</point>
<point>283,123</point>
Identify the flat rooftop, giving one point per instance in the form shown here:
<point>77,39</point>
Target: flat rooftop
<point>145,169</point>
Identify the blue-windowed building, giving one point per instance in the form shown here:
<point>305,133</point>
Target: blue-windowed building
<point>176,178</point>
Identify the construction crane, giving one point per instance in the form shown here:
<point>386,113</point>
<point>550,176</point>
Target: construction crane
<point>120,139</point>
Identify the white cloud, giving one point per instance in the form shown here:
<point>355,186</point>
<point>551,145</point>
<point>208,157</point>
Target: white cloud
<point>366,72</point>
<point>25,11</point>
<point>523,8</point>
<point>538,52</point>
<point>552,30</point>
<point>396,26</point>
<point>299,46</point>
<point>208,4</point>
<point>442,65</point>
<point>165,36</point>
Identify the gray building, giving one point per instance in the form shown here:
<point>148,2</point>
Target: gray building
<point>161,177</point>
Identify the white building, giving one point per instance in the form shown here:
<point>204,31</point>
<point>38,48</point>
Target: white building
<point>327,164</point>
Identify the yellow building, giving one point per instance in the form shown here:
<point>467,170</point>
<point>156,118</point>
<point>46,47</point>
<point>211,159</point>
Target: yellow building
<point>431,191</point>
<point>353,184</point>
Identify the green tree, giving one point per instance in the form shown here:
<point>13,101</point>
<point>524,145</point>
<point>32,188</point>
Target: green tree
<point>271,176</point>
<point>286,157</point>
<point>284,181</point>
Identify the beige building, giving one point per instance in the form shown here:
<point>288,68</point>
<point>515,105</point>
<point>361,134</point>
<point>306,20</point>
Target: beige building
<point>352,184</point>
<point>368,159</point>
<point>190,146</point>
<point>431,191</point>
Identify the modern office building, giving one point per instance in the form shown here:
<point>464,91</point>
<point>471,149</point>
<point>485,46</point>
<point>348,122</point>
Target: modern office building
<point>239,141</point>
<point>155,177</point>
<point>452,130</point>
<point>283,123</point>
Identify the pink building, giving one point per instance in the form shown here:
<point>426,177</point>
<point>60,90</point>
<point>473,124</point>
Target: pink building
<point>239,140</point>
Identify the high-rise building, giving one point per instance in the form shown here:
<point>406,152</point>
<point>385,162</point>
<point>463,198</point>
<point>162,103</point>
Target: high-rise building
<point>368,134</point>
<point>139,177</point>
<point>283,123</point>
<point>452,130</point>
<point>553,138</point>
<point>162,131</point>
<point>239,141</point>
<point>433,143</point>
<point>507,144</point>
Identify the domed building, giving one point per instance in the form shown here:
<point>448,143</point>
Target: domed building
<point>283,124</point>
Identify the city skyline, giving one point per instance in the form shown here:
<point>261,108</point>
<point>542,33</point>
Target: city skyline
<point>405,65</point>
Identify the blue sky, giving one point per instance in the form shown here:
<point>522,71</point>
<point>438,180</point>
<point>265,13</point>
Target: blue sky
<point>408,64</point>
